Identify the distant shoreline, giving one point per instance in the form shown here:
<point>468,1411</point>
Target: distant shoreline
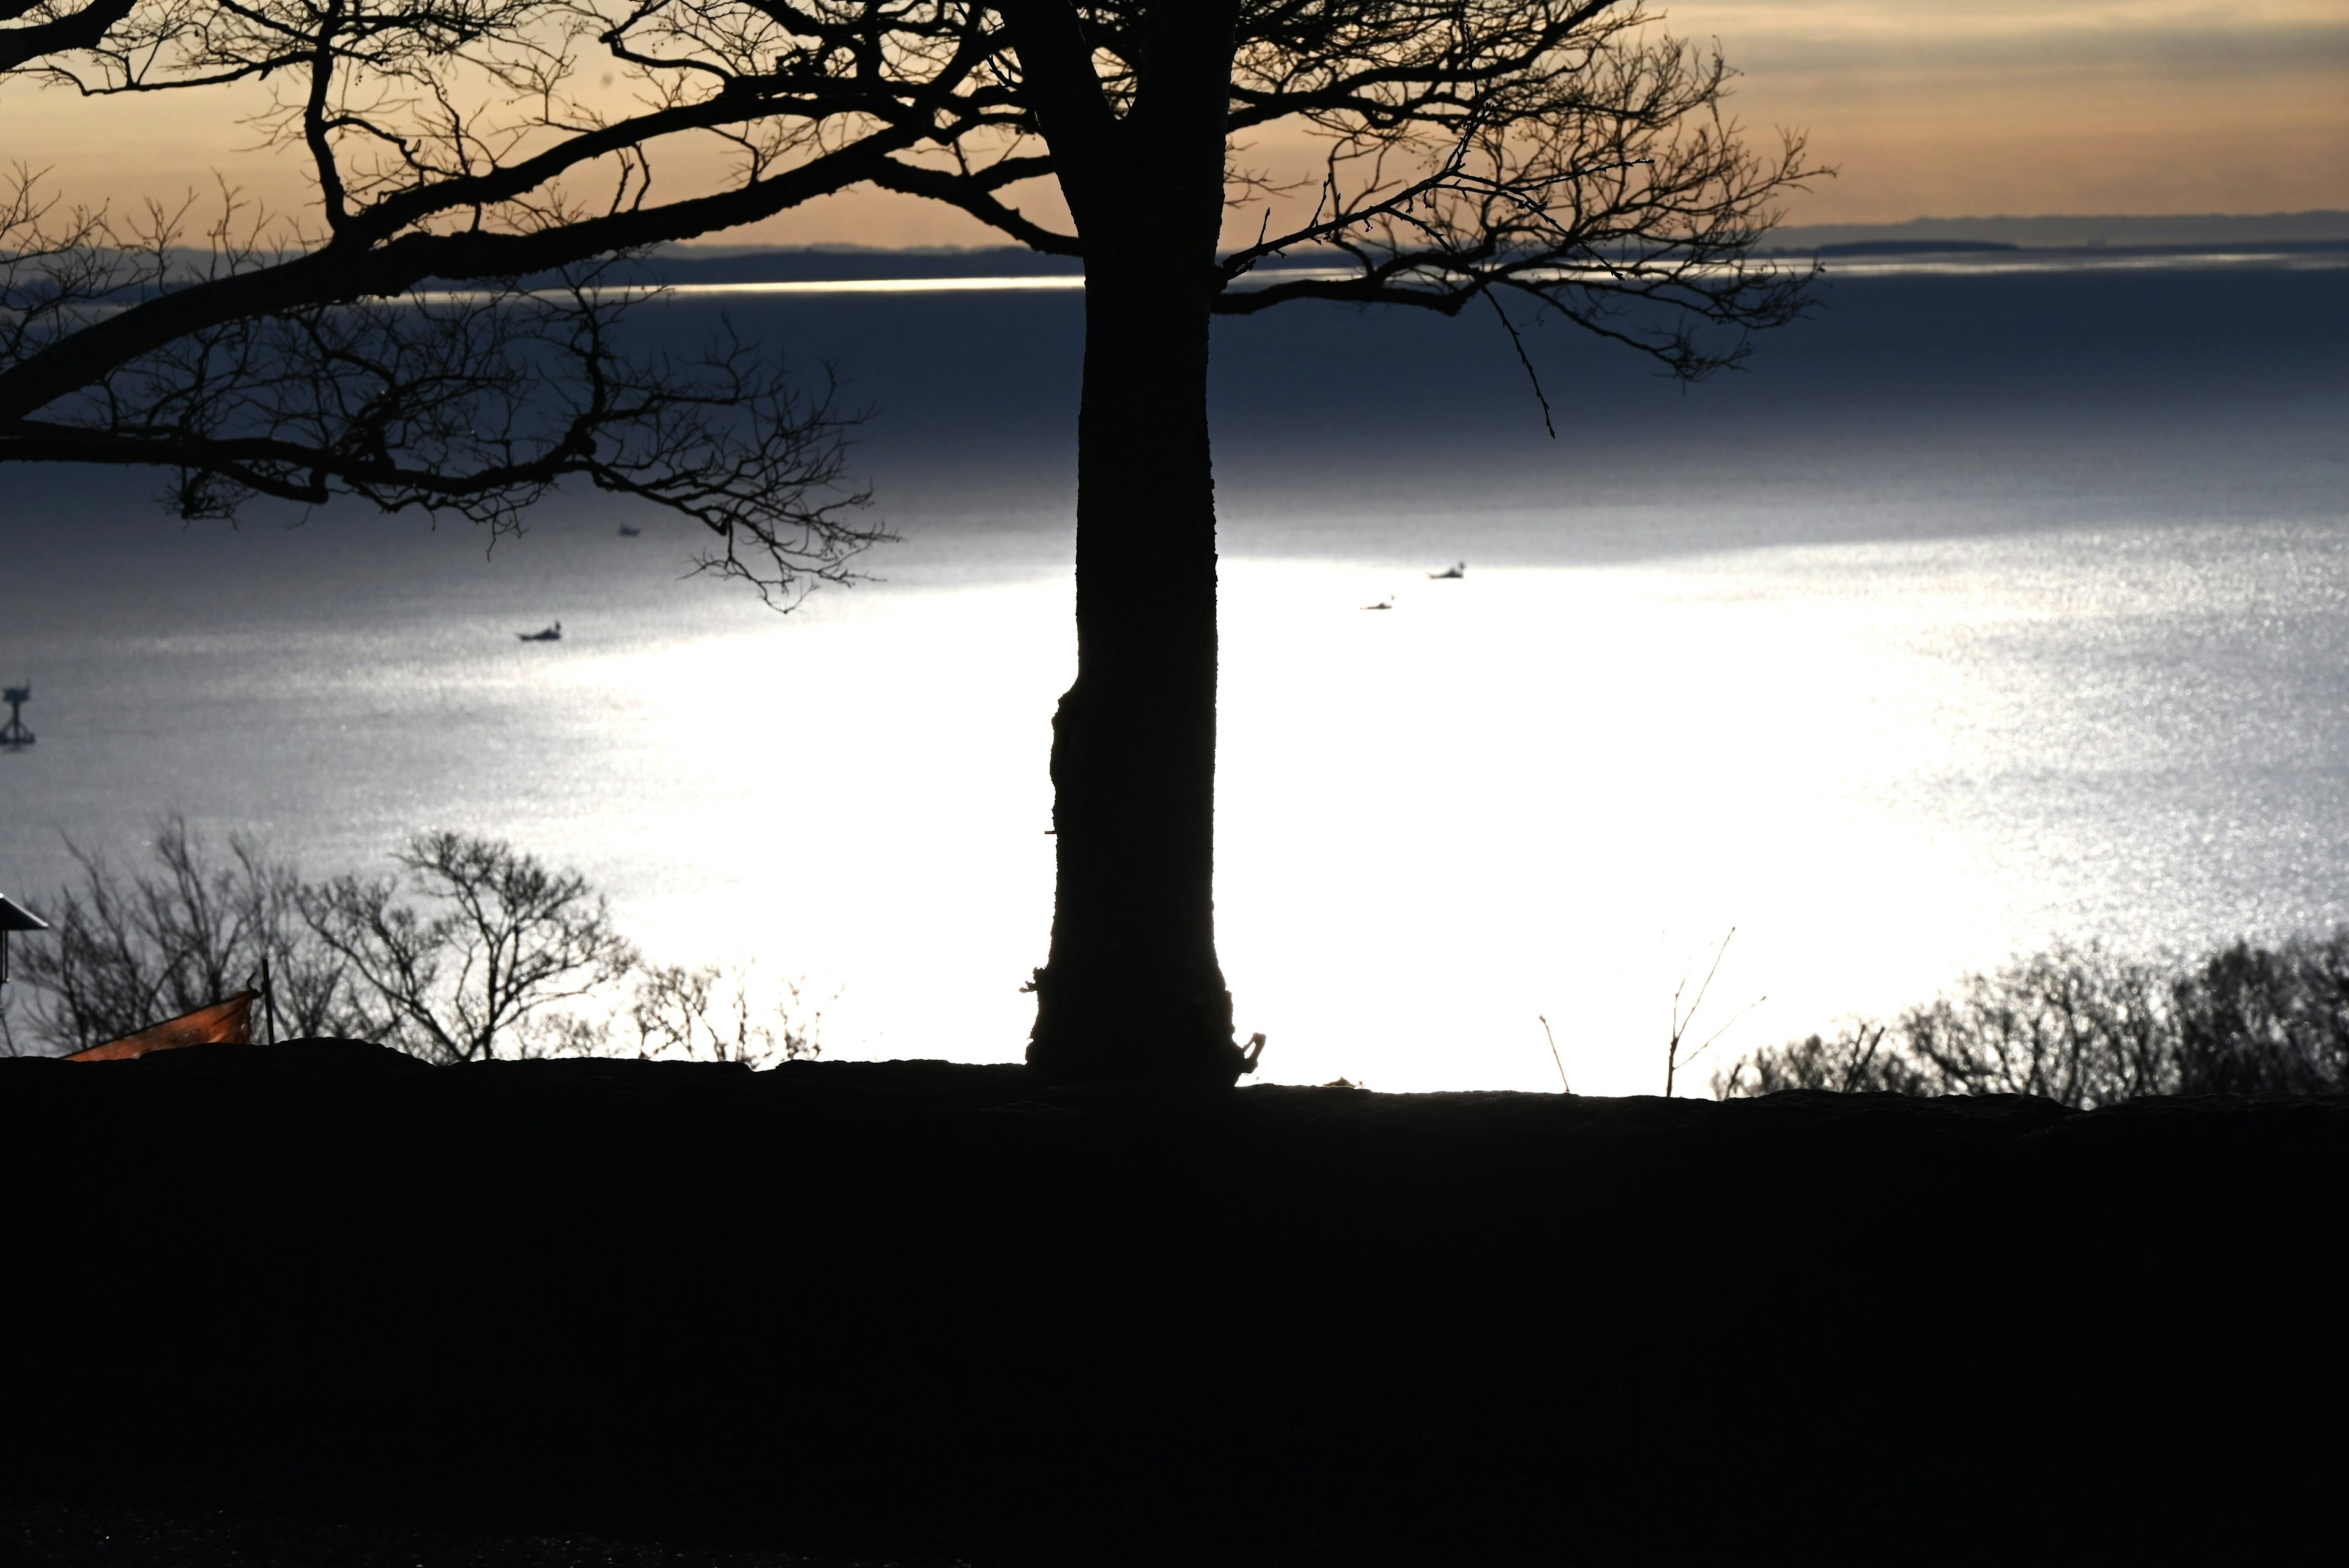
<point>2203,231</point>
<point>826,270</point>
<point>2202,239</point>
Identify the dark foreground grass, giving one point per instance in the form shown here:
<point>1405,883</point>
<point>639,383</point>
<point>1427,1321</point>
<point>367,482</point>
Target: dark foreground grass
<point>54,1534</point>
<point>927,1314</point>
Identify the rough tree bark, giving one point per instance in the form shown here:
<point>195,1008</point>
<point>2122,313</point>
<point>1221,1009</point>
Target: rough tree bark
<point>1133,988</point>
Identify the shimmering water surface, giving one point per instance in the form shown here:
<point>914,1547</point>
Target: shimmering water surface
<point>1986,610</point>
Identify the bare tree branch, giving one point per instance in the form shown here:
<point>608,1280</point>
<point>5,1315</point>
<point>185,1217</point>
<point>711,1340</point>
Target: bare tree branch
<point>1565,155</point>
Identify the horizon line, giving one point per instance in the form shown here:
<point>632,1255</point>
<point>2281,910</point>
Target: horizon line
<point>854,247</point>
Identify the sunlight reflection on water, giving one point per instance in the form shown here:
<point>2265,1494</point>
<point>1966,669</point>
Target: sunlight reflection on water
<point>1536,790</point>
<point>1976,620</point>
<point>1547,790</point>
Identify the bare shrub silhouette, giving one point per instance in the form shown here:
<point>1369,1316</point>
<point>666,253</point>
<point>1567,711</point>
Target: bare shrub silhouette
<point>475,950</point>
<point>1850,1062</point>
<point>1675,1058</point>
<point>2087,1027</point>
<point>706,1014</point>
<point>131,948</point>
<point>2074,1024</point>
<point>2251,1019</point>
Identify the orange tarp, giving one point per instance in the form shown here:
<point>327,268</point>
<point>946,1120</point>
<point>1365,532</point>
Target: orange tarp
<point>226,1022</point>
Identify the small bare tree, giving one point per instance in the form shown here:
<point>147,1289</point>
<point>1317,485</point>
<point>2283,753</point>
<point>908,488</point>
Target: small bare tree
<point>1855,1060</point>
<point>11,1043</point>
<point>706,1013</point>
<point>131,948</point>
<point>476,952</point>
<point>1675,1057</point>
<point>2261,1019</point>
<point>2079,1025</point>
<point>2087,1027</point>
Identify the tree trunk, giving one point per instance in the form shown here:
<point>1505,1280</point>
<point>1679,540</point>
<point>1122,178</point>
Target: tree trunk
<point>1133,990</point>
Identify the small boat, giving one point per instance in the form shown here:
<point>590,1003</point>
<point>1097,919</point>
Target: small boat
<point>1386,603</point>
<point>629,532</point>
<point>1459,569</point>
<point>548,634</point>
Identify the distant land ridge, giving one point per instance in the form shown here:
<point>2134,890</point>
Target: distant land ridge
<point>2318,228</point>
<point>735,264</point>
<point>1912,247</point>
<point>848,264</point>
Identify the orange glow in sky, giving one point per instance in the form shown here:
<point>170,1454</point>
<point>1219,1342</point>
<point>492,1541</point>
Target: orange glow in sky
<point>2008,107</point>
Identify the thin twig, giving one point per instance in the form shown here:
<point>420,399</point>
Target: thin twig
<point>1523,360</point>
<point>1724,1028</point>
<point>1681,1020</point>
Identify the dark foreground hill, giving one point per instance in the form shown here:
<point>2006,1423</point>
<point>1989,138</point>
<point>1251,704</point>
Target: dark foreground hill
<point>931,1312</point>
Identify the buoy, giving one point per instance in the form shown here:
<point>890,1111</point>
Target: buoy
<point>14,733</point>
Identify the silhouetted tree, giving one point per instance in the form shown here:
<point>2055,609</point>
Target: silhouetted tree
<point>2088,1027</point>
<point>1564,154</point>
<point>2261,1019</point>
<point>475,952</point>
<point>183,930</point>
<point>58,29</point>
<point>705,1013</point>
<point>443,334</point>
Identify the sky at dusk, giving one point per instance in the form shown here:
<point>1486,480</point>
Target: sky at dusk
<point>2011,107</point>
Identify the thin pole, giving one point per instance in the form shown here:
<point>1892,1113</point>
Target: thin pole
<point>268,999</point>
<point>1553,1054</point>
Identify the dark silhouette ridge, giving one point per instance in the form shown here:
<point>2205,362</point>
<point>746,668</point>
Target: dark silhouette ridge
<point>939,1312</point>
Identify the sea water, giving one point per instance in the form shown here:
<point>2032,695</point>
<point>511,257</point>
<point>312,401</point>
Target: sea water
<point>1986,609</point>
